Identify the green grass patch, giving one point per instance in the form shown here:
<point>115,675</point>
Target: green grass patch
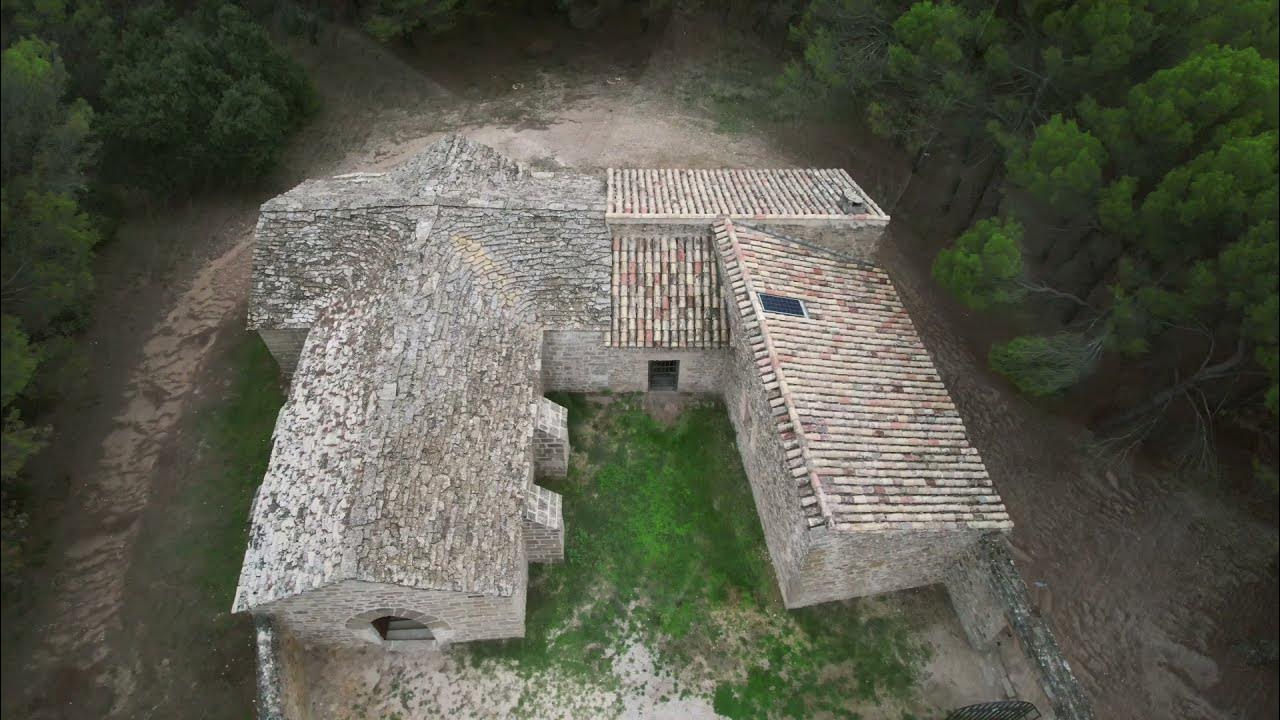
<point>236,447</point>
<point>664,547</point>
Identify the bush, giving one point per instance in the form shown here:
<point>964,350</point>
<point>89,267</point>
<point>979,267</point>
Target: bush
<point>1045,365</point>
<point>206,98</point>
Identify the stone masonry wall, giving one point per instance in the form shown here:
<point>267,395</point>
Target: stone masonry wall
<point>270,671</point>
<point>551,440</point>
<point>840,565</point>
<point>987,592</point>
<point>543,526</point>
<point>320,616</point>
<point>285,346</point>
<point>763,457</point>
<point>293,677</point>
<point>974,599</point>
<point>581,361</point>
<point>860,240</point>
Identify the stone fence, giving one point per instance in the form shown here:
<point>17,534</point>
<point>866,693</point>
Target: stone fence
<point>989,593</point>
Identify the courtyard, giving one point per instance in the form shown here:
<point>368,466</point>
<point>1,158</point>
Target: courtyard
<point>666,606</point>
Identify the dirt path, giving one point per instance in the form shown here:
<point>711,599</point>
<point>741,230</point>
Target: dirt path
<point>118,472</point>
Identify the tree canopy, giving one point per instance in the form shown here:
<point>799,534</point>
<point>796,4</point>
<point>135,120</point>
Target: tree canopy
<point>97,98</point>
<point>1142,132</point>
<point>198,99</point>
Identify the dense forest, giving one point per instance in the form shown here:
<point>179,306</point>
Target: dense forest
<point>108,108</point>
<point>1124,231</point>
<point>1137,177</point>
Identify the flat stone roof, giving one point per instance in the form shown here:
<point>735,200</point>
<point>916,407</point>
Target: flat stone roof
<point>873,440</point>
<point>666,292</point>
<point>646,195</point>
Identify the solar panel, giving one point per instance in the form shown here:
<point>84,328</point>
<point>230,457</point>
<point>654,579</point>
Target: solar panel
<point>782,305</point>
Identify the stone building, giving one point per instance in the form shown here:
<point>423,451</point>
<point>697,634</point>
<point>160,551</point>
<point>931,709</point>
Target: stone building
<point>424,313</point>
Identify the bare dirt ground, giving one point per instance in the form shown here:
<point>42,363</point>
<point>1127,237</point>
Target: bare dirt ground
<point>115,451</point>
<point>1158,589</point>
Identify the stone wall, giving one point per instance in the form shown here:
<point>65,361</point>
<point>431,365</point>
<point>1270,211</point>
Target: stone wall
<point>285,346</point>
<point>543,526</point>
<point>270,671</point>
<point>304,259</point>
<point>857,240</point>
<point>582,361</point>
<point>973,596</point>
<point>763,457</point>
<point>550,439</point>
<point>988,592</point>
<point>322,615</point>
<point>842,564</point>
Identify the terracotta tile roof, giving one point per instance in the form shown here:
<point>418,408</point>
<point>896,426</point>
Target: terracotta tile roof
<point>666,293</point>
<point>872,438</point>
<point>807,194</point>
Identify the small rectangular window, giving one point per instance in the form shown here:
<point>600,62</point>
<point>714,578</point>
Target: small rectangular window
<point>664,375</point>
<point>782,305</point>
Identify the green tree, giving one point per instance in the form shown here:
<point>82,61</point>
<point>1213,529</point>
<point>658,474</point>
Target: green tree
<point>1090,46</point>
<point>46,245</point>
<point>1159,195</point>
<point>18,442</point>
<point>922,73</point>
<point>199,99</point>
<point>934,62</point>
<point>18,363</point>
<point>1062,167</point>
<point>47,241</point>
<point>984,267</point>
<point>1045,365</point>
<point>83,31</point>
<point>1216,94</point>
<point>44,137</point>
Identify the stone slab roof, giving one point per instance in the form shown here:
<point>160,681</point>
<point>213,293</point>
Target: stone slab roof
<point>403,453</point>
<point>641,195</point>
<point>873,440</point>
<point>546,230</point>
<point>666,293</point>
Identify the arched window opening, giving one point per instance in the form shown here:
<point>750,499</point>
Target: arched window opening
<point>392,629</point>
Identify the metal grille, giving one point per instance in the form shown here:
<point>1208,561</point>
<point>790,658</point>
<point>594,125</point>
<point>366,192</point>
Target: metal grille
<point>782,305</point>
<point>664,374</point>
<point>1001,710</point>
